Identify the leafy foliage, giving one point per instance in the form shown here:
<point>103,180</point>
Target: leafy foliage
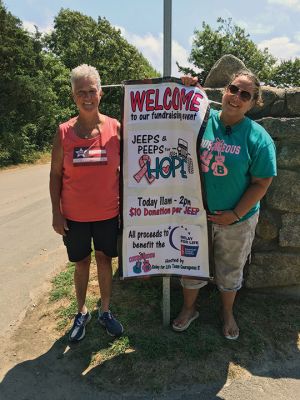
<point>79,39</point>
<point>210,45</point>
<point>287,73</point>
<point>31,101</point>
<point>228,38</point>
<point>35,86</point>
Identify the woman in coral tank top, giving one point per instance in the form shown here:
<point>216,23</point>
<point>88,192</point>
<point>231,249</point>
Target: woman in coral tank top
<point>84,190</point>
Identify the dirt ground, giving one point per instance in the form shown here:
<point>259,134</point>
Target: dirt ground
<point>36,364</point>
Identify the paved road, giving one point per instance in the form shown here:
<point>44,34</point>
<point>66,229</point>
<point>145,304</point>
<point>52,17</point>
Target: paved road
<point>30,251</point>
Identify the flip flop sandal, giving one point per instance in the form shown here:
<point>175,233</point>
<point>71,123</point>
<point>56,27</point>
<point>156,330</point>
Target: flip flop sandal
<point>187,324</point>
<point>232,337</point>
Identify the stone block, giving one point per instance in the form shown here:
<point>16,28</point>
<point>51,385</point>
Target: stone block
<point>277,108</point>
<point>293,101</point>
<point>267,228</point>
<point>215,95</point>
<point>284,192</point>
<point>289,235</point>
<point>260,244</point>
<point>288,156</point>
<point>221,72</point>
<point>292,291</point>
<point>279,259</point>
<point>283,129</point>
<point>271,94</point>
<point>273,99</point>
<point>273,269</point>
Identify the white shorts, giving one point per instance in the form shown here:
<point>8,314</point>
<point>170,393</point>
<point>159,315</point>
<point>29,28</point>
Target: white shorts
<point>231,246</point>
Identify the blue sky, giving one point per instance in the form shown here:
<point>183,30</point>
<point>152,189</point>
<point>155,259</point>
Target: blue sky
<point>271,23</point>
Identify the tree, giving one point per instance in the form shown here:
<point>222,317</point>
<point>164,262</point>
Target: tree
<point>209,46</point>
<point>78,39</point>
<point>35,72</point>
<point>30,104</point>
<point>287,73</point>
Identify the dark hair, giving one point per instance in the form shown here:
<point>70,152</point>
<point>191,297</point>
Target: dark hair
<point>257,89</point>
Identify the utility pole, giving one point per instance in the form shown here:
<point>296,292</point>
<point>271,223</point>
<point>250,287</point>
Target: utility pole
<point>167,72</point>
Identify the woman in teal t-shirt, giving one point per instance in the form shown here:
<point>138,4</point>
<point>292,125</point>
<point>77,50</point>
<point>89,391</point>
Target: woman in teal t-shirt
<point>238,162</point>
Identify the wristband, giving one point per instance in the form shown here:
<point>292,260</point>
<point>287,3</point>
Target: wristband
<point>237,215</point>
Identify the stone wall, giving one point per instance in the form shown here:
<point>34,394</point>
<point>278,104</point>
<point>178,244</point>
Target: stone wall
<point>276,248</point>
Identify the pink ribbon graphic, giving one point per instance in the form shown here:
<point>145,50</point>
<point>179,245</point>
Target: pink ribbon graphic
<point>143,171</point>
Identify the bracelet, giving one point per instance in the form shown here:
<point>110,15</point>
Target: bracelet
<point>237,215</point>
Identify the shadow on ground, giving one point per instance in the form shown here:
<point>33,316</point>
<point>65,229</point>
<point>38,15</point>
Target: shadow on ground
<point>69,372</point>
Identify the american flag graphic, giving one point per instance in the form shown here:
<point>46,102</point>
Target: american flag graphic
<point>87,156</point>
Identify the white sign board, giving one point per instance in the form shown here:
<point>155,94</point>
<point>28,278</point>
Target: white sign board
<point>164,221</point>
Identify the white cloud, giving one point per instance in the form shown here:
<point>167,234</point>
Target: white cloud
<point>180,54</point>
<point>294,4</point>
<point>282,47</point>
<point>151,46</point>
<point>191,40</point>
<point>256,28</point>
<point>297,36</point>
<point>30,27</point>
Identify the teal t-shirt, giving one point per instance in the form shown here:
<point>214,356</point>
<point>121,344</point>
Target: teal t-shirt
<point>229,157</point>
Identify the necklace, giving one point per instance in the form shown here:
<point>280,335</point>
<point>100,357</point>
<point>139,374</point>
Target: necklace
<point>87,133</point>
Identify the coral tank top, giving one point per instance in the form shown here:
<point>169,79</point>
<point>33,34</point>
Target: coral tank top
<point>90,185</point>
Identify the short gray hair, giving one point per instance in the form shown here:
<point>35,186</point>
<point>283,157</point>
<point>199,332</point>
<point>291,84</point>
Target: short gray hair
<point>85,71</point>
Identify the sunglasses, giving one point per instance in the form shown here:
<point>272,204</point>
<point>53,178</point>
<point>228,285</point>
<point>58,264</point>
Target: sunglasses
<point>243,94</point>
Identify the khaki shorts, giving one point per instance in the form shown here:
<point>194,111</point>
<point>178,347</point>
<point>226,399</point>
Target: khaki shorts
<point>231,247</point>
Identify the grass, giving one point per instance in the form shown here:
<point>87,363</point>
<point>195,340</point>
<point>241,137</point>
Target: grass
<point>63,284</point>
<point>153,357</point>
<point>38,157</point>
